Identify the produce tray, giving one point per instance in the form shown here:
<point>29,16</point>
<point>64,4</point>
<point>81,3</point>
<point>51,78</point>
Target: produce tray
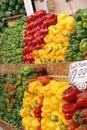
<point>13,19</point>
<point>6,126</point>
<point>58,71</point>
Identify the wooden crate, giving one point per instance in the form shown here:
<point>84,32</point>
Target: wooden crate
<point>58,71</point>
<point>6,126</point>
<point>61,69</point>
<point>13,19</point>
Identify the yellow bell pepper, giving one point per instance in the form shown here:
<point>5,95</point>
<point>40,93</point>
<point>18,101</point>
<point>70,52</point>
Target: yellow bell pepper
<point>51,112</point>
<point>61,17</point>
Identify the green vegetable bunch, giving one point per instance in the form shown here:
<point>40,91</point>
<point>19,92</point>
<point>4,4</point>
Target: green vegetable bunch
<point>11,43</point>
<point>73,50</point>
<point>78,39</point>
<point>12,87</point>
<point>10,8</point>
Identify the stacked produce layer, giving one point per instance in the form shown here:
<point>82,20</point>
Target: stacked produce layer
<point>35,101</point>
<point>11,43</point>
<point>36,29</point>
<point>12,87</point>
<point>47,38</point>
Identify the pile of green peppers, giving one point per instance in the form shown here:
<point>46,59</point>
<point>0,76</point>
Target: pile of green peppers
<point>11,43</point>
<point>78,39</point>
<point>12,87</point>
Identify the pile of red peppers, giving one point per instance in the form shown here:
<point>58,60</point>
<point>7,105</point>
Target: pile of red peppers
<point>75,110</point>
<point>36,29</point>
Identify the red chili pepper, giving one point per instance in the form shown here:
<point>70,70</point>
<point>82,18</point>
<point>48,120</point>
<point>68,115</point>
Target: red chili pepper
<point>69,107</point>
<point>82,100</point>
<point>70,94</point>
<point>44,79</point>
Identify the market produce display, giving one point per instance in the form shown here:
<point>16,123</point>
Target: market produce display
<point>75,110</point>
<point>42,105</point>
<point>35,101</point>
<point>10,8</point>
<point>45,38</point>
<point>77,49</point>
<point>11,43</point>
<point>52,105</point>
<point>10,99</point>
<point>56,41</point>
<point>36,29</point>
<point>12,87</point>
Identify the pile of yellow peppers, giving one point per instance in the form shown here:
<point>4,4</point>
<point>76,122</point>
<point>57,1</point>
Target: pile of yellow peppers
<point>30,102</point>
<point>50,95</point>
<point>56,41</point>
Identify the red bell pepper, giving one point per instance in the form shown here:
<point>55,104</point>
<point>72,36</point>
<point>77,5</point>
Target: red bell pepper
<point>80,116</point>
<point>69,107</point>
<point>36,30</point>
<point>44,79</point>
<point>71,125</point>
<point>70,94</point>
<point>83,127</point>
<point>40,70</point>
<point>69,116</point>
<point>37,112</point>
<point>82,100</point>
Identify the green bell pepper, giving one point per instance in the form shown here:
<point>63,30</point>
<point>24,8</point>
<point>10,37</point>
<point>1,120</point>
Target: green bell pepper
<point>77,14</point>
<point>84,15</point>
<point>75,46</point>
<point>85,25</point>
<point>79,25</point>
<point>81,33</point>
<point>83,45</point>
<point>79,56</point>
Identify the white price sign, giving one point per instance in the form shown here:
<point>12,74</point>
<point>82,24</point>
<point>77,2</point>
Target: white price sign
<point>78,74</point>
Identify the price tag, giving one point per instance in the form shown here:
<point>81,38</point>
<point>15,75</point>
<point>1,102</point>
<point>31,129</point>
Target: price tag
<point>78,74</point>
